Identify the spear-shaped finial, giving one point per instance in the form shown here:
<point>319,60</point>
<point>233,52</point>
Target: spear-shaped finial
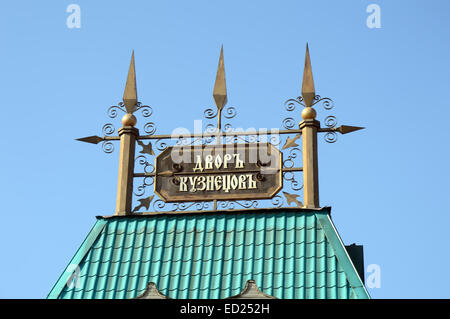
<point>130,93</point>
<point>220,87</point>
<point>308,91</point>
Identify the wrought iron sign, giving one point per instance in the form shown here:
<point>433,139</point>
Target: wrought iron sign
<point>218,172</point>
<point>220,168</point>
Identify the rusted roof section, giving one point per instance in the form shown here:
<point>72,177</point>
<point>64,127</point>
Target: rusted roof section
<point>291,254</point>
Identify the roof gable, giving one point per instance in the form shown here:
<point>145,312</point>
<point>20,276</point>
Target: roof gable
<point>290,254</point>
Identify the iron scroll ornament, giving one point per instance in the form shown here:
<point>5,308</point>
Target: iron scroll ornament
<point>291,177</point>
<point>329,121</point>
<point>285,140</point>
<point>144,173</point>
<point>109,129</point>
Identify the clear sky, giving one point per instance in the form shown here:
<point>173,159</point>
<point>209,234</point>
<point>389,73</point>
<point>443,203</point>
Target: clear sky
<point>387,185</point>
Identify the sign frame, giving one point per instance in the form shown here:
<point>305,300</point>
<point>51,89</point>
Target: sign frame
<point>202,196</point>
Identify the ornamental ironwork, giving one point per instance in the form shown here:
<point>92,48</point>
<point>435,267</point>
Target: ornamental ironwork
<point>221,168</point>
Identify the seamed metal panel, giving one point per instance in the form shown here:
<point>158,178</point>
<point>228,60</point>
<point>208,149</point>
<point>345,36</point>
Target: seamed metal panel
<point>290,254</point>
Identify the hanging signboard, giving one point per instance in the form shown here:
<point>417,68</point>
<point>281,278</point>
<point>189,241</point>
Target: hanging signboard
<point>218,172</point>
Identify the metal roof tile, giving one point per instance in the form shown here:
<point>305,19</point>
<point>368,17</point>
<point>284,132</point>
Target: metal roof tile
<point>289,254</point>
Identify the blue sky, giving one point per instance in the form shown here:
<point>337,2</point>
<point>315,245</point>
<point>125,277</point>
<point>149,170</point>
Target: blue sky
<point>387,184</point>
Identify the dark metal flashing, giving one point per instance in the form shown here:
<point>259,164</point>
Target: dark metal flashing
<point>356,253</point>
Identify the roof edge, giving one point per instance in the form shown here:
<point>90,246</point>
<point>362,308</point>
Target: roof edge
<point>343,257</point>
<point>77,258</point>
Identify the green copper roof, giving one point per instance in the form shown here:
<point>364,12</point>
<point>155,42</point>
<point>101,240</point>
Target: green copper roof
<point>289,253</point>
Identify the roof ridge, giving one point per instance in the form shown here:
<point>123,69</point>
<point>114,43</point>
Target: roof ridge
<point>326,209</point>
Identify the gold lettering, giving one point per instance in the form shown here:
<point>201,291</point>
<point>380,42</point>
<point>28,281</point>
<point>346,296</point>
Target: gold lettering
<point>226,183</point>
<point>209,183</point>
<point>218,182</point>
<point>198,164</point>
<point>209,162</point>
<point>201,181</point>
<point>192,181</point>
<point>227,158</point>
<point>251,182</point>
<point>183,186</point>
<point>242,184</point>
<point>239,163</point>
<point>218,161</point>
<point>234,182</point>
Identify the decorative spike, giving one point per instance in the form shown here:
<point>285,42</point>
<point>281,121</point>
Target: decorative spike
<point>146,149</point>
<point>91,139</point>
<point>292,198</point>
<point>144,202</point>
<point>308,91</point>
<point>344,129</point>
<point>130,93</point>
<point>290,142</point>
<point>220,86</point>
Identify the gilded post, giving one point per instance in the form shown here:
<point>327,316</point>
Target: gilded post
<point>128,135</point>
<point>309,127</point>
